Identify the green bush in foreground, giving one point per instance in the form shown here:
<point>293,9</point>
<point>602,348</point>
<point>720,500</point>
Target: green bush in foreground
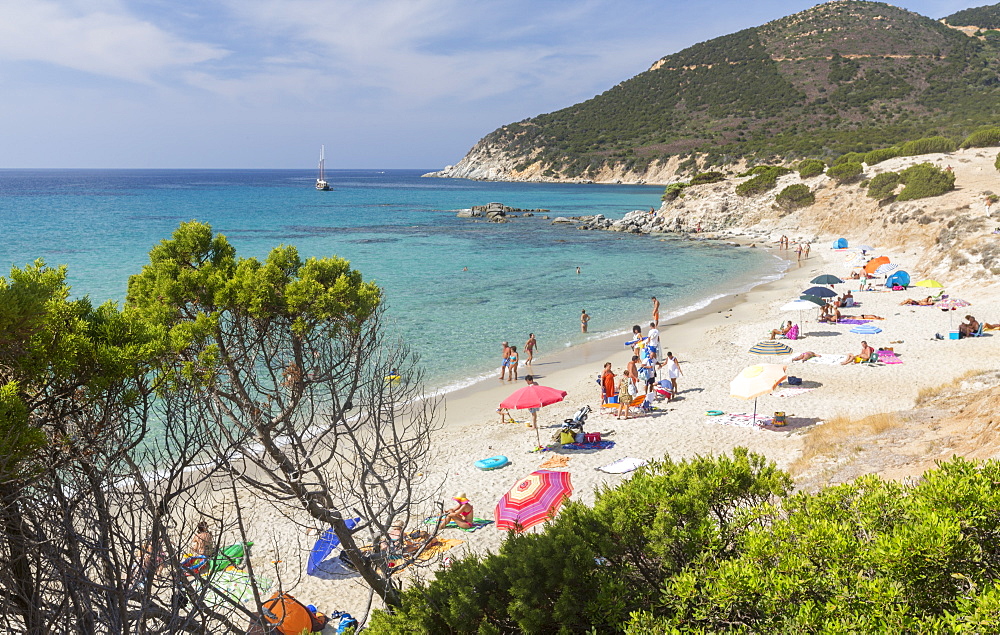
<point>845,172</point>
<point>923,180</point>
<point>719,545</point>
<point>810,167</point>
<point>795,196</point>
<point>883,185</point>
<point>983,138</point>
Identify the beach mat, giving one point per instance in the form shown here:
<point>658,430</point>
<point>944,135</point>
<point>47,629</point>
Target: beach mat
<point>889,357</point>
<point>826,358</point>
<point>596,445</point>
<point>477,523</point>
<point>554,462</point>
<point>621,466</point>
<point>743,420</point>
<point>790,392</point>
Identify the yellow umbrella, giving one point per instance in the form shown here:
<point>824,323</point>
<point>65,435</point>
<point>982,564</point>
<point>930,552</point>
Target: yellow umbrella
<point>930,284</point>
<point>757,380</point>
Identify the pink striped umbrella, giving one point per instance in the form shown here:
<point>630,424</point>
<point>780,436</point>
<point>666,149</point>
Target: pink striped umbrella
<point>533,499</point>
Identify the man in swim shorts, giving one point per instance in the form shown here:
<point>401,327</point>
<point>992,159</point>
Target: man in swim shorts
<point>530,380</point>
<point>653,339</point>
<point>505,362</point>
<point>656,311</point>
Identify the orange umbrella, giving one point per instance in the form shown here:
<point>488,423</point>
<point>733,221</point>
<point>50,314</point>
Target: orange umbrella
<point>875,263</point>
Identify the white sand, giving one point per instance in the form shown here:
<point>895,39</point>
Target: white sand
<point>712,347</point>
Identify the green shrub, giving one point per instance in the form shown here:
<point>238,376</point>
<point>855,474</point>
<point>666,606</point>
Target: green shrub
<point>845,172</point>
<point>983,138</point>
<point>883,185</point>
<point>880,155</point>
<point>810,168</point>
<point>707,177</point>
<point>924,180</point>
<point>766,178</point>
<point>761,169</point>
<point>926,146</point>
<point>673,190</point>
<point>850,157</point>
<point>996,163</point>
<point>795,196</point>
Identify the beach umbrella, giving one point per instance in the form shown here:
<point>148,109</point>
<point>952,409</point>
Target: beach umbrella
<point>798,305</point>
<point>875,263</point>
<point>950,305</point>
<point>533,499</point>
<point>820,292</point>
<point>863,248</point>
<point>754,381</point>
<point>886,269</point>
<point>826,278</point>
<point>930,284</point>
<point>533,396</point>
<point>325,545</point>
<point>866,329</point>
<point>770,347</point>
<point>811,298</point>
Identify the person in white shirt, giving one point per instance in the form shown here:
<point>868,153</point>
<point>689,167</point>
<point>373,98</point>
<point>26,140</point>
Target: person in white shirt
<point>653,339</point>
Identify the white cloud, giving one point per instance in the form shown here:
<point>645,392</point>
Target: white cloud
<point>102,38</point>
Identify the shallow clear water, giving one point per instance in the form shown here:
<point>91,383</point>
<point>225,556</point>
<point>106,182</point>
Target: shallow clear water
<point>397,229</point>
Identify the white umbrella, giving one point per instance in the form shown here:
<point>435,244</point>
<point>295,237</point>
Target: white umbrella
<point>754,381</point>
<point>800,306</point>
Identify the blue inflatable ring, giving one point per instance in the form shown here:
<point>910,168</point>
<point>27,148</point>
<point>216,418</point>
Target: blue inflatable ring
<point>714,413</point>
<point>492,463</point>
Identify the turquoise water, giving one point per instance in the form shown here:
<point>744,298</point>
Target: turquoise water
<point>399,230</point>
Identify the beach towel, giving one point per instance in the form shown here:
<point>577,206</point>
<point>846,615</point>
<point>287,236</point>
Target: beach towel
<point>827,358</point>
<point>621,466</point>
<point>790,392</point>
<point>596,445</point>
<point>477,523</point>
<point>888,357</point>
<point>742,419</point>
<point>793,333</point>
<point>554,462</point>
<point>853,321</point>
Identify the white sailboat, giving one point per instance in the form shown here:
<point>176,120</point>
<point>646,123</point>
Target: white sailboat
<point>321,183</point>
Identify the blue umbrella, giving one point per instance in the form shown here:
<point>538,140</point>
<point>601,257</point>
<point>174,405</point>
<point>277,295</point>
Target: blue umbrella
<point>811,298</point>
<point>826,278</point>
<point>327,542</point>
<point>820,292</point>
<point>866,329</point>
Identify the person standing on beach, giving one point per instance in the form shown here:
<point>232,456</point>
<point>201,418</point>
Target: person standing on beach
<point>632,370</point>
<point>798,250</point>
<point>505,362</point>
<point>673,372</point>
<point>530,380</point>
<point>584,318</point>
<point>202,543</point>
<point>512,364</point>
<point>607,383</point>
<point>656,311</point>
<point>626,391</point>
<point>529,347</point>
<point>808,247</point>
<point>653,339</point>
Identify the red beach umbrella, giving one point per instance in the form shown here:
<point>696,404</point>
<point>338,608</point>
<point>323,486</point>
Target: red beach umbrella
<point>533,396</point>
<point>533,499</point>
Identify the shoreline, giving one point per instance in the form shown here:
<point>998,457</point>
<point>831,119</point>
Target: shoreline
<point>607,345</point>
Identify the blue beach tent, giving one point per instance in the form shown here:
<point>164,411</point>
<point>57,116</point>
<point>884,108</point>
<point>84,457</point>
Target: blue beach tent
<point>327,542</point>
<point>840,243</point>
<point>900,277</point>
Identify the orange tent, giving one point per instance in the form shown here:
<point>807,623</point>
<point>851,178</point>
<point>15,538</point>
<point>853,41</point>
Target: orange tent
<point>289,616</point>
<point>875,263</point>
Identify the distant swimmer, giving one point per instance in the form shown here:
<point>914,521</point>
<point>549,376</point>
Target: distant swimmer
<point>577,271</point>
<point>584,318</point>
<point>465,268</point>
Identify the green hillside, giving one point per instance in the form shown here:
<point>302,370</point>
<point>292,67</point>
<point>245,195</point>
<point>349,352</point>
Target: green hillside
<point>840,77</point>
<point>987,17</point>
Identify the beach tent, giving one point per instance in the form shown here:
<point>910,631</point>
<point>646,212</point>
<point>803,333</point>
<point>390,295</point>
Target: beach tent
<point>327,542</point>
<point>875,263</point>
<point>900,277</point>
<point>289,616</point>
<point>840,243</point>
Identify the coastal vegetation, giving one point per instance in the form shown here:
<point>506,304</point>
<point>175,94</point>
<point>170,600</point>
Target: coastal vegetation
<point>765,178</point>
<point>723,545</point>
<point>795,196</point>
<point>845,172</point>
<point>983,138</point>
<point>987,17</point>
<point>919,181</point>
<point>220,374</point>
<point>810,168</point>
<point>841,77</point>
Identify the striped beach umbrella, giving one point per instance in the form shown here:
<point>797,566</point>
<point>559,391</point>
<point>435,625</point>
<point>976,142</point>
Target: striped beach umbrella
<point>886,269</point>
<point>770,347</point>
<point>533,499</point>
<point>950,305</point>
<point>866,329</point>
<point>863,248</point>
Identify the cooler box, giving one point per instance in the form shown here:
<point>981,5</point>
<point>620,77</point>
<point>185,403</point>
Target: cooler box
<point>953,335</point>
<point>780,419</point>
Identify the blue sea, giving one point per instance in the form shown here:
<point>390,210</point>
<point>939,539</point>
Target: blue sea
<point>399,230</point>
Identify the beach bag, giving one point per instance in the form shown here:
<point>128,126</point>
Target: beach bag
<point>632,389</point>
<point>645,374</point>
<point>794,381</point>
<point>567,437</point>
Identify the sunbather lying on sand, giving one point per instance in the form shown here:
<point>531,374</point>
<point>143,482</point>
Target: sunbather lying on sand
<point>869,316</point>
<point>805,357</point>
<point>911,302</point>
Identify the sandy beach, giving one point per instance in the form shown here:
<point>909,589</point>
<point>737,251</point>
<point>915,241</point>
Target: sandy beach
<point>711,345</point>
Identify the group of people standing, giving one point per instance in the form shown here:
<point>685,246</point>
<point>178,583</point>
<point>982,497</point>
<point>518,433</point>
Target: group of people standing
<point>801,249</point>
<point>511,360</point>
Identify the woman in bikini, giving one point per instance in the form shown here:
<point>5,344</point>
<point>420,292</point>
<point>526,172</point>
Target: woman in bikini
<point>460,514</point>
<point>512,364</point>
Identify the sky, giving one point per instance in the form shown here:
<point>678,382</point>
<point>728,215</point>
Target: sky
<point>263,83</point>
